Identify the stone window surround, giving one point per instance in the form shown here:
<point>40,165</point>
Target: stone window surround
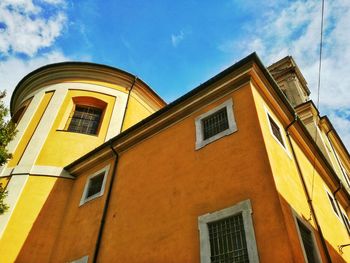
<point>243,207</point>
<point>296,217</point>
<point>200,142</point>
<point>83,199</point>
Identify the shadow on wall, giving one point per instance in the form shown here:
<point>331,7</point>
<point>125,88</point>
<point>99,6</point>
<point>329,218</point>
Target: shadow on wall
<point>296,242</point>
<point>41,238</point>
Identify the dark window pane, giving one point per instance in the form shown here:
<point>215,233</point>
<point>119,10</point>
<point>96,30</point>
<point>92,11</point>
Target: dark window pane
<point>228,241</point>
<point>85,119</point>
<point>308,242</point>
<point>346,222</point>
<point>334,206</point>
<point>215,123</point>
<point>95,185</point>
<point>276,130</point>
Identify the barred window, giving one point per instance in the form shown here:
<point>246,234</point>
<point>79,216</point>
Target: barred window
<point>276,130</point>
<point>86,119</point>
<point>227,235</point>
<point>228,241</point>
<point>215,123</point>
<point>308,242</point>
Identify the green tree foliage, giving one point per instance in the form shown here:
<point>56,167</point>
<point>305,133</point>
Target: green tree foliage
<point>7,132</point>
<point>3,205</point>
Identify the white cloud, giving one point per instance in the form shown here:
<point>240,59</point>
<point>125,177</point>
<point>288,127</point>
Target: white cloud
<point>177,38</point>
<point>54,2</point>
<point>14,69</point>
<point>294,30</point>
<point>24,28</point>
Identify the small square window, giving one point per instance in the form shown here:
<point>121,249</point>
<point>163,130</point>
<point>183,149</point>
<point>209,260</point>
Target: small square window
<point>228,235</point>
<point>276,131</point>
<point>215,124</point>
<point>333,204</point>
<point>94,186</point>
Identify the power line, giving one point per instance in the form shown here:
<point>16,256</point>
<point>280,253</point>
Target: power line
<point>318,95</point>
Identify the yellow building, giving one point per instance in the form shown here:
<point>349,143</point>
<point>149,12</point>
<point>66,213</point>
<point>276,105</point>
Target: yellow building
<point>240,169</point>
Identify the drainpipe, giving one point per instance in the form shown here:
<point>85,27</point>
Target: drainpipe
<point>127,101</point>
<point>309,200</point>
<point>106,206</point>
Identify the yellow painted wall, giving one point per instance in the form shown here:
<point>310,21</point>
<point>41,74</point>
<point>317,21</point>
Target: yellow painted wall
<point>30,130</point>
<point>291,190</point>
<point>101,83</point>
<point>137,111</point>
<point>62,147</point>
<point>33,226</point>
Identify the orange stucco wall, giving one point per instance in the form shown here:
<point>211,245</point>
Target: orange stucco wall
<point>80,224</point>
<point>163,184</point>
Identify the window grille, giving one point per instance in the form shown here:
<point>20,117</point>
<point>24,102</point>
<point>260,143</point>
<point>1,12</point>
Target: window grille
<point>215,123</point>
<point>276,130</point>
<point>95,185</point>
<point>227,240</point>
<point>85,119</point>
<point>308,242</point>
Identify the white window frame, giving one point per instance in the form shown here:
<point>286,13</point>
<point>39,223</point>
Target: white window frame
<point>329,194</point>
<point>85,199</point>
<point>307,225</point>
<point>245,209</point>
<point>84,259</point>
<point>232,126</point>
<point>269,115</point>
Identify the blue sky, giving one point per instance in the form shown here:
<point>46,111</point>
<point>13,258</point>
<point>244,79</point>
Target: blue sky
<point>176,45</point>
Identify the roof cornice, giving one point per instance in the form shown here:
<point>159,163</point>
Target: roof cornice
<point>66,71</point>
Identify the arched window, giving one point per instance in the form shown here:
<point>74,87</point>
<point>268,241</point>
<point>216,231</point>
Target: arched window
<point>86,116</point>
